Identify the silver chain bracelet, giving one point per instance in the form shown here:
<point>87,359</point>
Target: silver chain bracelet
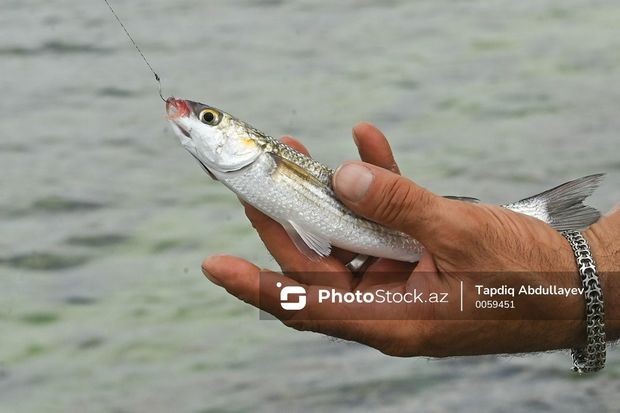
<point>590,358</point>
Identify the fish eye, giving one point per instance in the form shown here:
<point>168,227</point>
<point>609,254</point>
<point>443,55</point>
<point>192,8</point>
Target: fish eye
<point>210,117</point>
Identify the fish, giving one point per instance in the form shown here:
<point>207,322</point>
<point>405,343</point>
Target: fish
<point>296,190</point>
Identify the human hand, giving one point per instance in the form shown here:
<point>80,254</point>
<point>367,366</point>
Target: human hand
<point>473,244</point>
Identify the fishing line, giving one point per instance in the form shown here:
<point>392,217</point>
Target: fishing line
<point>157,79</point>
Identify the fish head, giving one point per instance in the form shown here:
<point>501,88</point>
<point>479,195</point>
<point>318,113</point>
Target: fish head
<point>216,139</point>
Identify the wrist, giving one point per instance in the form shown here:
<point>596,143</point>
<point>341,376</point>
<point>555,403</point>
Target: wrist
<point>600,242</point>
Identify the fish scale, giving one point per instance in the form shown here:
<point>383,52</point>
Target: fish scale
<point>284,196</point>
<point>296,190</point>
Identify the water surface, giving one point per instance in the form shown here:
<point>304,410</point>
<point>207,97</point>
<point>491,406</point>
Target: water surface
<point>104,218</point>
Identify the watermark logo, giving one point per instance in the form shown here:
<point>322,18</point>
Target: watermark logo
<point>463,296</point>
<point>292,297</point>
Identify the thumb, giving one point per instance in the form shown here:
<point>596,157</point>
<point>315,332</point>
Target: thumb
<point>390,199</point>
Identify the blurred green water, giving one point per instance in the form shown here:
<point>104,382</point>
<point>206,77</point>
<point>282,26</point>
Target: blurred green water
<point>104,218</point>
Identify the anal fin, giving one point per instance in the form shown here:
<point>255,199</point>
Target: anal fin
<point>311,245</point>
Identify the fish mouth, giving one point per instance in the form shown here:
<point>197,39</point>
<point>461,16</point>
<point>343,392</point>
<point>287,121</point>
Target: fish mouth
<point>177,108</point>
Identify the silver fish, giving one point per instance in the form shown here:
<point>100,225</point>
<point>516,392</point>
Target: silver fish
<point>296,191</point>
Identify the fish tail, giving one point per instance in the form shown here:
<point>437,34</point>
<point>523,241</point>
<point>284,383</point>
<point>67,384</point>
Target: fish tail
<point>562,207</point>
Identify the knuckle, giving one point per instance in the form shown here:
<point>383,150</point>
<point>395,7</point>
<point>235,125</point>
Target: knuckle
<point>396,202</point>
<point>393,202</point>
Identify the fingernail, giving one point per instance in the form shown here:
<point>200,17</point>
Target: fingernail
<point>211,277</point>
<point>355,137</point>
<point>352,181</point>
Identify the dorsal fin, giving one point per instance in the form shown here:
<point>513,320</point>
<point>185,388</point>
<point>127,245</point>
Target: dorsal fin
<point>293,158</point>
<point>463,198</point>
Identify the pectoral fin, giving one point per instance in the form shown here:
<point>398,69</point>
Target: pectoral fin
<point>311,245</point>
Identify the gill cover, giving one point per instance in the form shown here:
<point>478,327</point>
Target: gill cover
<point>216,139</point>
